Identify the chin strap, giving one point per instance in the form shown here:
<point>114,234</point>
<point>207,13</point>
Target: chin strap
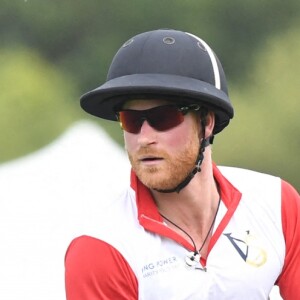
<point>204,143</point>
<point>197,168</point>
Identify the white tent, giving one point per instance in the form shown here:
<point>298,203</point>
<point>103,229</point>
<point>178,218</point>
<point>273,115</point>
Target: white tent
<point>47,199</point>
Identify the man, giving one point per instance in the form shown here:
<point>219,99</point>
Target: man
<point>185,229</point>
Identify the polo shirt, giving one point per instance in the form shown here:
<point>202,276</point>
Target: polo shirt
<point>133,254</point>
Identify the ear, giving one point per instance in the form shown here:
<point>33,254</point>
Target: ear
<point>210,124</point>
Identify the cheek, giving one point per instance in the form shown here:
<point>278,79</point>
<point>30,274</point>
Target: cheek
<point>130,141</point>
<point>186,133</point>
<point>176,140</point>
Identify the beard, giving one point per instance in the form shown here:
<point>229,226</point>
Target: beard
<point>170,172</point>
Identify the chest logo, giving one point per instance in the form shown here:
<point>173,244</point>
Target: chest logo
<point>160,266</point>
<point>249,248</point>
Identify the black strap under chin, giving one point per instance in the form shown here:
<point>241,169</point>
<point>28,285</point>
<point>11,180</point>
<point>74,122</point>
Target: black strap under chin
<point>197,168</point>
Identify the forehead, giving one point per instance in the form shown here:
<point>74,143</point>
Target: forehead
<point>140,104</point>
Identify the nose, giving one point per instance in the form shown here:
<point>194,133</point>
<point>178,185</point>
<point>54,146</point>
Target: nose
<point>147,134</point>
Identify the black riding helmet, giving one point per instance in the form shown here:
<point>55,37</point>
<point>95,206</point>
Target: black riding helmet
<point>165,64</point>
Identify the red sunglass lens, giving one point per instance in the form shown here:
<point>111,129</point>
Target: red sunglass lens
<point>161,118</point>
<point>164,117</point>
<point>131,120</point>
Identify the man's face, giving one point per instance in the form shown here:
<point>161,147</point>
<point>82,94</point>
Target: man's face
<point>162,159</point>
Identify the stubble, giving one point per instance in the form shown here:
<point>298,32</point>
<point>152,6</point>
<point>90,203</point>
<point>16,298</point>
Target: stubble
<point>172,169</point>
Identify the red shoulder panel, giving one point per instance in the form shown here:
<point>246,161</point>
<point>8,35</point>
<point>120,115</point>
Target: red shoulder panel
<point>96,270</point>
<point>288,281</point>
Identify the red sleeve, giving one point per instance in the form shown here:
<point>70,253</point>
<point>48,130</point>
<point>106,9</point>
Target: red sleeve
<point>288,281</point>
<point>95,270</point>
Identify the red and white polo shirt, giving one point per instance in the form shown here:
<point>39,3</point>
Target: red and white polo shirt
<point>133,254</point>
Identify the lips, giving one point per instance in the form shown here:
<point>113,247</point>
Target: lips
<point>150,156</point>
<point>150,159</point>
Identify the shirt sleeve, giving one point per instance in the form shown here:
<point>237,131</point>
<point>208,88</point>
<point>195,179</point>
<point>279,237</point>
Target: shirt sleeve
<point>288,281</point>
<point>95,270</point>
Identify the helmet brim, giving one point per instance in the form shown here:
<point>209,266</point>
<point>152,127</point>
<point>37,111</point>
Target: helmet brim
<point>105,100</point>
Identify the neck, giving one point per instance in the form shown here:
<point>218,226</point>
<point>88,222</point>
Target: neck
<point>194,208</point>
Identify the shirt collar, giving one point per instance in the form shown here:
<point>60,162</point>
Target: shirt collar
<point>146,206</point>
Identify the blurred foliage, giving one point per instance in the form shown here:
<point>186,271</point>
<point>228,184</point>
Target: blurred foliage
<point>265,133</point>
<point>35,102</point>
<point>83,36</point>
<point>53,51</point>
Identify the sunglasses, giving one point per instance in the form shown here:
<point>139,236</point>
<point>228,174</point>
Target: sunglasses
<point>161,118</point>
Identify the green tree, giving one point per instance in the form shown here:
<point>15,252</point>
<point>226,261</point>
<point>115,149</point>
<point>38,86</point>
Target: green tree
<point>82,36</point>
<point>35,103</point>
<point>265,133</point>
